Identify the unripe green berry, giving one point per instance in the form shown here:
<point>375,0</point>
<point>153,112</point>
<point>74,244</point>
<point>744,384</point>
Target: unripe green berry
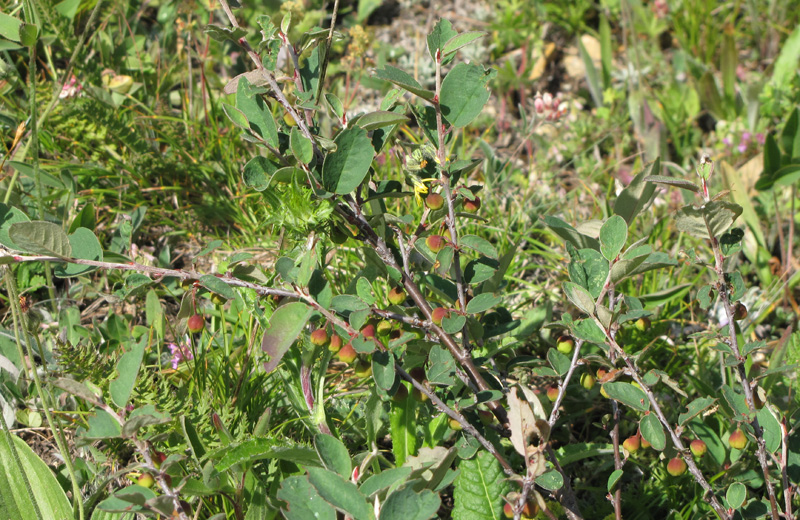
<point>588,381</point>
<point>643,324</point>
<point>565,344</point>
<point>455,425</point>
<point>384,328</point>
<point>146,480</point>
<point>363,368</point>
<point>335,344</point>
<point>396,296</point>
<point>434,201</point>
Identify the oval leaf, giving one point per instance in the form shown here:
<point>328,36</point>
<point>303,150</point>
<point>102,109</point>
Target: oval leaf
<point>613,235</point>
<point>85,246</point>
<point>285,325</point>
<point>44,238</point>
<point>344,169</point>
<point>653,432</point>
<point>341,494</point>
<point>627,394</point>
<point>580,297</point>
<point>736,495</point>
<point>465,91</point>
<point>214,284</point>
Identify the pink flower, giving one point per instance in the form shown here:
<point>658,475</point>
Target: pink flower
<point>742,147</point>
<point>760,138</point>
<point>179,354</point>
<point>71,88</point>
<point>726,141</point>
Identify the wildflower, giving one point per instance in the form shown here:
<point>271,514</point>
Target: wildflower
<point>179,354</point>
<point>71,88</point>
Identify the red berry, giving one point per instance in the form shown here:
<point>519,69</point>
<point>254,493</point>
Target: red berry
<point>472,206</point>
<point>196,323</point>
<point>368,331</point>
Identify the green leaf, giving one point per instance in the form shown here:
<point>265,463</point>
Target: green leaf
<point>736,495</point>
<point>737,403</point>
<point>84,245</point>
<point>461,40</point>
<point>262,448</point>
<point>341,494</point>
<point>588,268</point>
<point>442,32</point>
<point>628,394</point>
<point>31,491</point>
<point>772,163</point>
<point>479,244</point>
<point>302,148</point>
<point>550,480</point>
<point>613,235</point>
<point>576,452</point>
<point>570,234</point>
<point>146,415</point>
<point>479,489</point>
<point>653,432</point>
<point>403,429</point>
<point>771,427</point>
<point>638,195</point>
<point>383,369</point>
<point>558,361</point>
<point>44,238</point>
<point>380,119</point>
<point>465,91</point>
<point>344,169</point>
<point>257,111</point>
<point>482,302</point>
<point>102,426</point>
<point>785,68</point>
<point>592,78</point>
<point>405,504</point>
<point>9,27</point>
<point>453,323</point>
<point>348,303</point>
<point>221,33</point>
<point>333,454</point>
<point>695,408</point>
<point>258,172</point>
<point>236,116</point>
<point>716,216</point>
<point>28,34</point>
<point>613,479</point>
<point>127,370</point>
<point>10,215</point>
<point>286,323</point>
<point>404,81</point>
<point>303,500</point>
<point>672,181</point>
<point>385,479</point>
<point>580,297</point>
<point>214,284</point>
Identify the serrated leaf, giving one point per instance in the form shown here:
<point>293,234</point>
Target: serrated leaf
<point>286,323</point>
<point>344,169</point>
<point>613,235</point>
<point>333,454</point>
<point>465,91</point>
<point>653,432</point>
<point>341,494</point>
<point>479,489</point>
<point>44,238</point>
<point>628,394</point>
